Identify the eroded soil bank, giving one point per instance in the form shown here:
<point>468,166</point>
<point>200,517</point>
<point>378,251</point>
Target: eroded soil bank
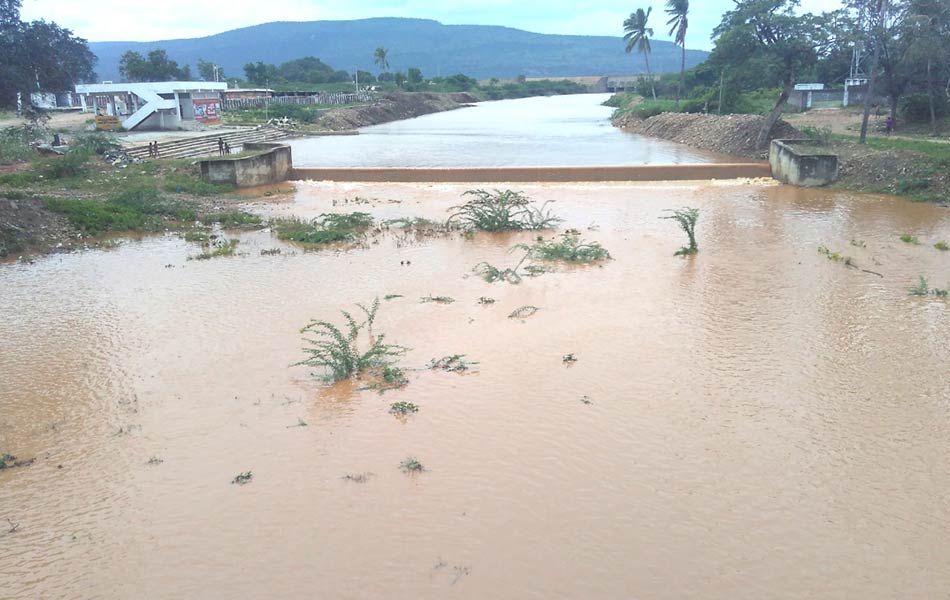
<point>392,107</point>
<point>725,412</point>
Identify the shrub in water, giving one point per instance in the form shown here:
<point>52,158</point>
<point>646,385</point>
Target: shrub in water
<point>501,211</point>
<point>686,217</point>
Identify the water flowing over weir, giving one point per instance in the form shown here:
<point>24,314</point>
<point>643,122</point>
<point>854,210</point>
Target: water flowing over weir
<point>754,421</point>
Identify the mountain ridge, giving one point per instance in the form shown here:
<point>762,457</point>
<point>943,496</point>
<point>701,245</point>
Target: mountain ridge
<point>479,51</point>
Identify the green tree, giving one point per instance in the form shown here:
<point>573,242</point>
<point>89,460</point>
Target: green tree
<point>379,57</point>
<point>679,23</point>
<point>210,71</point>
<point>155,67</point>
<point>768,36</point>
<point>638,35</point>
<point>38,55</point>
<point>414,76</point>
<point>399,78</point>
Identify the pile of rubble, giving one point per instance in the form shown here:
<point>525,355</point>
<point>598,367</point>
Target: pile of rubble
<point>118,157</point>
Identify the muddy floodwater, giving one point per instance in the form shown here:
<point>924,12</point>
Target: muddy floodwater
<point>756,421</point>
<point>570,130</point>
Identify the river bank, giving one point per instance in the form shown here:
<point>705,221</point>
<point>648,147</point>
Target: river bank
<point>915,169</point>
<point>392,107</point>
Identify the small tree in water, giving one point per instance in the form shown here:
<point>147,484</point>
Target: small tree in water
<point>686,217</point>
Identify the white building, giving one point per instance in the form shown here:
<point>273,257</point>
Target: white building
<point>154,105</point>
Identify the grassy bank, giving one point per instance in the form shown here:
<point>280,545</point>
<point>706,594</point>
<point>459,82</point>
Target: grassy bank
<point>64,200</point>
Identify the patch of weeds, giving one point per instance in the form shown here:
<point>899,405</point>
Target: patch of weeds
<point>325,229</point>
<point>858,243</point>
<point>270,251</point>
<point>154,461</point>
<point>139,208</point>
<point>686,218</point>
<point>403,409</point>
<point>570,248</point>
<point>356,477</point>
<point>235,219</point>
<point>300,423</point>
<point>499,210</point>
<point>834,256</point>
<point>437,299</point>
<point>15,145</point>
<point>243,478</point>
<point>20,179</point>
<point>390,378</point>
<point>586,400</point>
<point>455,363</point>
<point>411,465</point>
<point>96,142</point>
<point>569,359</point>
<point>906,186</point>
<point>221,247</point>
<point>71,164</point>
<point>942,245</point>
<point>388,297</point>
<point>921,289</point>
<point>196,235</point>
<point>338,351</point>
<point>910,239</point>
<point>180,183</point>
<point>818,136</point>
<point>523,312</point>
<point>485,300</point>
<point>940,293</point>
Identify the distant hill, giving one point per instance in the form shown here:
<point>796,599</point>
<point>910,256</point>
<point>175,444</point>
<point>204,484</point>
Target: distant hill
<point>479,51</point>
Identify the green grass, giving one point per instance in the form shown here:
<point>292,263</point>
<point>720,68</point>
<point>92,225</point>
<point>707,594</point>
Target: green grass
<point>942,245</point>
<point>14,146</point>
<point>135,209</point>
<point>910,239</point>
<point>221,247</point>
<point>935,150</point>
<point>235,219</point>
<point>325,229</point>
<point>183,183</point>
<point>455,363</point>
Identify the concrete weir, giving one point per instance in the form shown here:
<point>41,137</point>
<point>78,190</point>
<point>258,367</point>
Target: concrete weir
<point>537,174</point>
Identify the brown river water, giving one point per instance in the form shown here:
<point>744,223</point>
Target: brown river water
<point>756,421</point>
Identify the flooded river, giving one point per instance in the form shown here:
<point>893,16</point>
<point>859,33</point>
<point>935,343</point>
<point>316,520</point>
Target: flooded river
<point>756,421</point>
<point>556,131</point>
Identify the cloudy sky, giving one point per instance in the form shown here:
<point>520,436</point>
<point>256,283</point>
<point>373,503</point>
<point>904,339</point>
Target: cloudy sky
<point>135,20</point>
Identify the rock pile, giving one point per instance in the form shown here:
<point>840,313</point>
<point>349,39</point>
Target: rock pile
<point>726,134</point>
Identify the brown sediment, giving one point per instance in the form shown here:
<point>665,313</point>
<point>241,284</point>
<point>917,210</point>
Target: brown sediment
<point>539,174</point>
<point>727,411</point>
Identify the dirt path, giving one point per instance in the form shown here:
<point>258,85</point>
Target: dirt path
<point>847,121</point>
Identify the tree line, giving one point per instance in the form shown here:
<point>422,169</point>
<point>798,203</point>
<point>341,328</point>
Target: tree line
<point>765,44</point>
<point>39,55</point>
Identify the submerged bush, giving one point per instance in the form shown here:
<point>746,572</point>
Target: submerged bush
<point>234,219</point>
<point>411,465</point>
<point>501,211</point>
<point>942,245</point>
<point>339,351</point>
<point>570,248</point>
<point>325,229</point>
<point>686,218</point>
<point>921,289</point>
<point>910,239</point>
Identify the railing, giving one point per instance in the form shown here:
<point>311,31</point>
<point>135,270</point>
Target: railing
<point>322,98</point>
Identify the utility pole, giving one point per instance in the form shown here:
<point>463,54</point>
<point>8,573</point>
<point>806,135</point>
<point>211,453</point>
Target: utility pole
<point>215,68</point>
<point>357,71</point>
<point>722,79</point>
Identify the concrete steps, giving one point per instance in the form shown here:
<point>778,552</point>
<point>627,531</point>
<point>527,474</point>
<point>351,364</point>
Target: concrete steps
<point>207,145</point>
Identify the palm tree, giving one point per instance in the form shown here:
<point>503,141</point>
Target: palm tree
<point>379,57</point>
<point>678,11</point>
<point>638,34</point>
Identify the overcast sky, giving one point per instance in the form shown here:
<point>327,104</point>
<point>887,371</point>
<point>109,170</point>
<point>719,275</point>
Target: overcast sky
<point>137,20</point>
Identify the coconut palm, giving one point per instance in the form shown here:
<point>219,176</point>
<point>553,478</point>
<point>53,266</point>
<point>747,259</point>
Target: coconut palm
<point>638,34</point>
<point>379,57</point>
<point>679,11</point>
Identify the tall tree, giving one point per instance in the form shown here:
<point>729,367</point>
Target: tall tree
<point>769,36</point>
<point>154,67</point>
<point>38,56</point>
<point>379,57</point>
<point>638,35</point>
<point>210,71</point>
<point>877,20</point>
<point>679,23</point>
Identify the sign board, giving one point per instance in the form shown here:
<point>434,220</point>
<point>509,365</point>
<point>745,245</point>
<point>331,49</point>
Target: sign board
<point>108,123</point>
<point>207,110</point>
<point>809,87</point>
